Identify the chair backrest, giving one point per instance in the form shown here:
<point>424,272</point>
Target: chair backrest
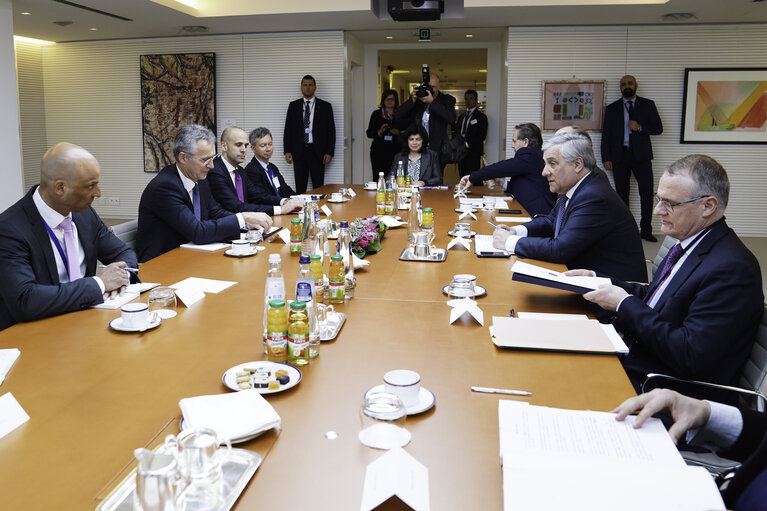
<point>126,232</point>
<point>667,244</point>
<point>755,370</point>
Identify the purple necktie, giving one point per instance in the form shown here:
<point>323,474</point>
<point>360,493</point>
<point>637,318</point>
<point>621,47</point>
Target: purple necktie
<point>70,246</point>
<point>238,184</point>
<point>673,257</point>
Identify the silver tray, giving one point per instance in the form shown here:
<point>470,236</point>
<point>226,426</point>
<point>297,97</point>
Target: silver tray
<point>337,324</point>
<point>437,255</point>
<point>238,468</point>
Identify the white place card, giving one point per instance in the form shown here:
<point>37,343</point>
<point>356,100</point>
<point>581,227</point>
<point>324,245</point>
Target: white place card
<point>459,240</point>
<point>463,305</point>
<point>284,235</point>
<point>396,473</point>
<point>189,295</point>
<point>352,192</point>
<point>7,359</point>
<point>12,415</point>
<point>325,209</point>
<point>210,247</point>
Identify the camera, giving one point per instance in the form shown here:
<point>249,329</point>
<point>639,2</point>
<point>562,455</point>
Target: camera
<point>424,89</point>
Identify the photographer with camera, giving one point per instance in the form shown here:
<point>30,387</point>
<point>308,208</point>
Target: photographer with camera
<point>430,109</point>
<point>384,134</point>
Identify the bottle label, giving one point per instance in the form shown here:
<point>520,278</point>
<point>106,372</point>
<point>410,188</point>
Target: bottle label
<point>277,343</point>
<point>275,291</point>
<point>298,345</point>
<point>337,289</point>
<point>304,292</point>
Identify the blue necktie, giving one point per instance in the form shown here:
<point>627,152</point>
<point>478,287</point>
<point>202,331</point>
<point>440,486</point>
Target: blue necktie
<point>560,207</point>
<point>196,201</point>
<point>271,180</point>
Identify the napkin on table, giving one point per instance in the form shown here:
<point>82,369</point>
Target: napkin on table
<point>233,415</point>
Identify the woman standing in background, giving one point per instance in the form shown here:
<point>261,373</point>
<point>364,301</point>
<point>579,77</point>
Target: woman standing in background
<point>381,129</point>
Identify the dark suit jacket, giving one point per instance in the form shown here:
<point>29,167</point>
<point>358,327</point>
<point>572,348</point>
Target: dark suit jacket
<point>29,280</point>
<point>441,113</point>
<point>225,193</point>
<point>751,448</point>
<point>705,323</point>
<point>527,184</point>
<point>431,170</point>
<point>598,232</point>
<point>166,217</point>
<point>476,132</point>
<point>323,128</point>
<point>645,114</point>
<point>264,193</point>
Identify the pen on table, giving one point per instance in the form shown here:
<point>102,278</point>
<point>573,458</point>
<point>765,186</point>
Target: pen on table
<point>490,390</point>
<point>129,270</point>
<point>511,313</point>
<point>492,225</point>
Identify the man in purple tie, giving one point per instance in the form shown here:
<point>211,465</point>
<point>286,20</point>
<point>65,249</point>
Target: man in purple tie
<point>230,184</point>
<point>51,239</point>
<point>699,316</point>
<point>266,178</point>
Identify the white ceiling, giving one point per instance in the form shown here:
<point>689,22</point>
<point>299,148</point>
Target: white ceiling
<point>150,19</point>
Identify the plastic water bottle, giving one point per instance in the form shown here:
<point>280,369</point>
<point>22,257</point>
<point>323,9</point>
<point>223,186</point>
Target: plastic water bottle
<point>401,178</point>
<point>414,215</point>
<point>274,288</point>
<point>309,238</point>
<point>345,249</point>
<point>381,195</point>
<point>305,293</point>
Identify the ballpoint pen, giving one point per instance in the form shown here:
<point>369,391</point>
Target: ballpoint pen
<point>490,390</point>
<point>492,225</point>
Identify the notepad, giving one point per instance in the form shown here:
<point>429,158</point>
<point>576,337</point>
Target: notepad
<point>577,335</point>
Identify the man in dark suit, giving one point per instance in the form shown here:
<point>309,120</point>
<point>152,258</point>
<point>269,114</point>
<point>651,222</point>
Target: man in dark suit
<point>51,239</point>
<point>699,316</point>
<point>434,111</point>
<point>310,136</point>
<point>732,433</point>
<point>589,223</point>
<point>230,184</point>
<point>268,184</point>
<point>526,183</point>
<point>626,147</point>
<point>177,206</point>
<point>473,127</point>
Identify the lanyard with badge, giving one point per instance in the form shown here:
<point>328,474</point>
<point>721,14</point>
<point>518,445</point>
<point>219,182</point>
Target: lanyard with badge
<point>58,246</point>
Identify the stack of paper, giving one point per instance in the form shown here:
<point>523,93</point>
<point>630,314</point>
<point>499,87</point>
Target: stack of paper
<point>532,274</point>
<point>571,459</point>
<point>556,334</point>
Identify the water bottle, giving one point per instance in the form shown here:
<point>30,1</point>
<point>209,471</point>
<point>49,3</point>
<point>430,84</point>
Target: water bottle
<point>345,249</point>
<point>309,238</point>
<point>414,215</point>
<point>401,178</point>
<point>381,195</point>
<point>305,293</point>
<point>275,287</point>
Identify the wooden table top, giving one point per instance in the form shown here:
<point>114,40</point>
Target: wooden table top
<point>94,395</point>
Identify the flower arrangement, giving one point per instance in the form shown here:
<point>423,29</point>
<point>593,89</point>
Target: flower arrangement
<point>366,235</point>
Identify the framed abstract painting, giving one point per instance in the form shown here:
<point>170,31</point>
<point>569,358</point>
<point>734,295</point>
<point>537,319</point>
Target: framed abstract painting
<point>724,106</point>
<point>579,102</point>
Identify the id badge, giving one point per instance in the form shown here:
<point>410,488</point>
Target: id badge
<point>388,138</point>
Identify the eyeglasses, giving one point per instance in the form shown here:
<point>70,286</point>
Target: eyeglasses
<point>204,161</point>
<point>669,206</point>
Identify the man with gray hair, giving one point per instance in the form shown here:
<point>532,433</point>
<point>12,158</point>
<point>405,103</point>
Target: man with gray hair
<point>269,185</point>
<point>589,225</point>
<point>177,206</point>
<point>698,317</point>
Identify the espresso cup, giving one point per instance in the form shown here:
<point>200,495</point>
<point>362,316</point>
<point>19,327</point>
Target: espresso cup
<point>336,196</point>
<point>240,247</point>
<point>135,315</point>
<point>405,384</point>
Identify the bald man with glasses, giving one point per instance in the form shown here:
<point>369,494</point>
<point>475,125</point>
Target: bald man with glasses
<point>699,316</point>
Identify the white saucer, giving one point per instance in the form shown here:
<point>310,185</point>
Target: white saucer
<point>478,291</point>
<point>459,210</point>
<point>117,324</point>
<point>166,313</point>
<point>250,252</point>
<point>426,399</point>
<point>337,201</point>
<point>370,189</point>
<point>471,234</point>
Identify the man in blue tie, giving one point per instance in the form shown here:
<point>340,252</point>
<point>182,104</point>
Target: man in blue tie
<point>51,239</point>
<point>231,185</point>
<point>589,224</point>
<point>177,206</point>
<point>269,185</point>
<point>699,316</point>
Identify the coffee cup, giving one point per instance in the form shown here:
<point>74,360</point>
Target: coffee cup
<point>336,196</point>
<point>405,384</point>
<point>371,185</point>
<point>135,315</point>
<point>240,247</point>
<point>462,285</point>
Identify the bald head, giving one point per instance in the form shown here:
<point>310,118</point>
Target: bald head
<point>234,143</point>
<point>69,178</point>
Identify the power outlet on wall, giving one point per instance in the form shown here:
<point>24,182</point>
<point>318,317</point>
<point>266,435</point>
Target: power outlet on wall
<point>111,201</point>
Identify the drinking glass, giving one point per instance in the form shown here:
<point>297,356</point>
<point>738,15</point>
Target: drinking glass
<point>162,300</point>
<point>382,417</point>
<point>254,236</point>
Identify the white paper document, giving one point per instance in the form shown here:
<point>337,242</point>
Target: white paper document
<point>513,219</point>
<point>526,272</point>
<point>560,334</point>
<point>7,359</point>
<point>116,302</point>
<point>484,243</point>
<point>204,285</point>
<point>396,473</point>
<point>572,459</point>
<point>209,247</point>
<point>609,330</point>
<point>12,415</point>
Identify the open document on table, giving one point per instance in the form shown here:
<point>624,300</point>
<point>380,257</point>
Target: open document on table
<point>532,274</point>
<point>576,459</point>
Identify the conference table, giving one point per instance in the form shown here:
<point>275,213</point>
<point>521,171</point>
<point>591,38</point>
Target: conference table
<point>94,395</point>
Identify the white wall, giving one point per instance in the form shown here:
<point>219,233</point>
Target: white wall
<point>92,97</point>
<point>657,57</point>
<point>10,141</point>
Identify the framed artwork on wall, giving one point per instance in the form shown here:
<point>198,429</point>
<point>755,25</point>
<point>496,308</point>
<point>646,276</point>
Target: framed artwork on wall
<point>724,106</point>
<point>176,89</point>
<point>579,102</point>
